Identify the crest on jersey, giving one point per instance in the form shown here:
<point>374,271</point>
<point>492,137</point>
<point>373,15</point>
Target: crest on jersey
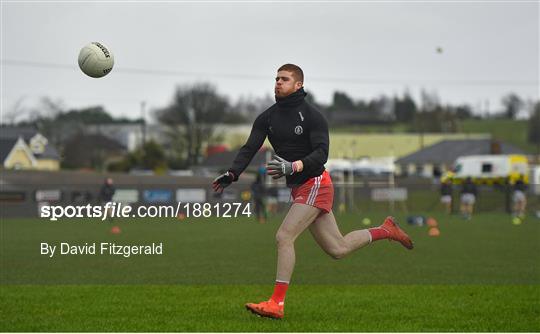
<point>298,130</point>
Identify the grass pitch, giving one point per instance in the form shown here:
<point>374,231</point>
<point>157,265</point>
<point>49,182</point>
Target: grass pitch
<point>479,275</point>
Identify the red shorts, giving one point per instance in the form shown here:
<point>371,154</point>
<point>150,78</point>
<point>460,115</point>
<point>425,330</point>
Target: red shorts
<point>317,191</point>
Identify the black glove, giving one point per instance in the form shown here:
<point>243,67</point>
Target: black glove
<point>223,181</point>
<point>279,167</point>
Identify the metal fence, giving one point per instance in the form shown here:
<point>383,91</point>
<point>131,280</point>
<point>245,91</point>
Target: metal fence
<point>22,193</point>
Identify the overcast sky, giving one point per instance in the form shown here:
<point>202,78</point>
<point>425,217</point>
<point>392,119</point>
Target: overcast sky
<point>365,49</point>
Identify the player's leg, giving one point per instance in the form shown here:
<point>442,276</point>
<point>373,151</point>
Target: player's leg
<point>256,207</point>
<point>521,205</point>
<point>326,232</point>
<point>299,217</point>
<point>297,220</point>
<point>515,206</point>
<point>265,210</point>
<point>447,203</point>
<point>466,206</point>
<point>258,210</point>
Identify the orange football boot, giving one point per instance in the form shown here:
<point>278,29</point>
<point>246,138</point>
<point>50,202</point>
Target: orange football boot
<point>269,309</point>
<point>396,233</point>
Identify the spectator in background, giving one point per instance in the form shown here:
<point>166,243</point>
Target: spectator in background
<point>106,194</point>
<point>107,191</point>
<point>519,198</point>
<point>272,200</point>
<point>446,195</point>
<point>468,198</point>
<point>258,190</point>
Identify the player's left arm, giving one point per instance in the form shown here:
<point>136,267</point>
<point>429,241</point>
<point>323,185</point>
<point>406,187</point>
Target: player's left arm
<point>318,135</point>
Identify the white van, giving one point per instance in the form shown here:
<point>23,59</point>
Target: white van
<point>491,169</point>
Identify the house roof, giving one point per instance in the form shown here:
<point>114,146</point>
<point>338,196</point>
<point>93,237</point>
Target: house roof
<point>14,132</point>
<point>6,145</point>
<point>447,151</point>
<point>49,153</point>
<point>20,143</point>
<point>10,134</point>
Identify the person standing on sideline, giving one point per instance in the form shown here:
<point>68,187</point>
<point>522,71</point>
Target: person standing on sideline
<point>258,191</point>
<point>468,198</point>
<point>519,197</point>
<point>446,195</point>
<point>106,193</point>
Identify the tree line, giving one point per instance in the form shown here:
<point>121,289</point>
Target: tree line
<point>189,121</point>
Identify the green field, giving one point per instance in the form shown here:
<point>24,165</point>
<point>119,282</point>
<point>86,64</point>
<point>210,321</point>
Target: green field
<point>479,275</point>
<point>509,131</point>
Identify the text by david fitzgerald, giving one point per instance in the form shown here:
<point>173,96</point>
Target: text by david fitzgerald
<point>103,248</point>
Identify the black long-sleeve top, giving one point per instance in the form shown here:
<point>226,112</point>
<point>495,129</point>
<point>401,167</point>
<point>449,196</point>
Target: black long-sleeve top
<point>520,186</point>
<point>106,192</point>
<point>469,188</point>
<point>296,130</point>
<point>446,189</point>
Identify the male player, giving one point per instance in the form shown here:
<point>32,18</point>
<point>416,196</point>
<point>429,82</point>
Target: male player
<point>519,197</point>
<point>299,136</point>
<point>446,194</point>
<point>468,198</point>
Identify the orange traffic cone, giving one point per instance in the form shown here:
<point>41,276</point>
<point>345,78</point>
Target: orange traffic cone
<point>115,230</point>
<point>431,222</point>
<point>434,232</point>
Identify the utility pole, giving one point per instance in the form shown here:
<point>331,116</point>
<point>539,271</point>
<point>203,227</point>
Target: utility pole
<point>191,146</point>
<point>420,123</point>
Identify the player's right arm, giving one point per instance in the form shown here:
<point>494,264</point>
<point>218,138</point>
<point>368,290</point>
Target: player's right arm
<point>246,153</point>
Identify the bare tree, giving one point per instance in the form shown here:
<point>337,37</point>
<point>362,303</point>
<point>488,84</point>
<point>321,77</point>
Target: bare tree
<point>191,116</point>
<point>17,110</point>
<point>250,107</point>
